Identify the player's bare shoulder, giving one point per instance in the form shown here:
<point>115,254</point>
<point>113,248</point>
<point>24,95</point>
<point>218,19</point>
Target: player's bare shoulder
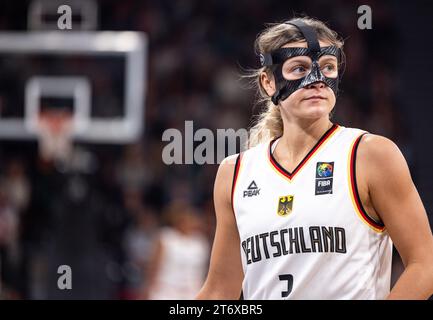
<point>378,149</point>
<point>224,178</point>
<point>228,164</point>
<point>231,160</point>
<point>379,156</point>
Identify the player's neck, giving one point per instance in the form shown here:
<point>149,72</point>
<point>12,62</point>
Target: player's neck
<point>299,137</point>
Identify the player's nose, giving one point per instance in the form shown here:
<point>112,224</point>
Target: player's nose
<point>316,85</point>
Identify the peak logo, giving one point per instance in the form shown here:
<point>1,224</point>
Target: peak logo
<point>252,190</point>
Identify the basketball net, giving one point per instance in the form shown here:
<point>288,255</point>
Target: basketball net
<point>54,130</point>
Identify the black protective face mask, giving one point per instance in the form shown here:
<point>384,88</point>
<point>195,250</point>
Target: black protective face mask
<point>276,58</point>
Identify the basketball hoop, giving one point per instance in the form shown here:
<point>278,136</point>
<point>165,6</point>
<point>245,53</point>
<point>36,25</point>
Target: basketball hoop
<point>54,130</point>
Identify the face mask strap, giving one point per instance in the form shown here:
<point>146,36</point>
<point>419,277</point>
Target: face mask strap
<point>309,34</point>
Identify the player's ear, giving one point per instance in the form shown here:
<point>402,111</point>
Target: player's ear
<point>268,83</point>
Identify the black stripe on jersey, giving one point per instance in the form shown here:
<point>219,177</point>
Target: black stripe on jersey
<point>377,224</point>
<point>304,160</point>
<point>235,176</point>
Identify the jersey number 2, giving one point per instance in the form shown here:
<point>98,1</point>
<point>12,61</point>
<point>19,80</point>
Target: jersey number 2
<point>289,279</point>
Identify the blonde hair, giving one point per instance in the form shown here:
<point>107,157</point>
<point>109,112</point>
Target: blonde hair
<point>269,124</point>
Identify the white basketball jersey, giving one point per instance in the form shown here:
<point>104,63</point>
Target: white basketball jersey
<point>305,235</point>
<point>183,266</point>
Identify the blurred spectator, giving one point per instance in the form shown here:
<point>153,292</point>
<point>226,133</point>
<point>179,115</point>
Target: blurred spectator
<point>16,185</point>
<point>131,171</point>
<point>138,243</point>
<point>8,246</point>
<point>180,256</point>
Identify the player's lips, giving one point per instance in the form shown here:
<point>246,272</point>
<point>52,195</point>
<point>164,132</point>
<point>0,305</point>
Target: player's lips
<point>315,97</point>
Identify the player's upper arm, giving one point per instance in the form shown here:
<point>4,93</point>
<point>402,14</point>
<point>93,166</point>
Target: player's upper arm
<point>225,275</point>
<point>395,198</point>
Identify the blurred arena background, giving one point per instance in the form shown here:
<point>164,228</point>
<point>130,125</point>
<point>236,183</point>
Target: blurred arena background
<point>127,71</point>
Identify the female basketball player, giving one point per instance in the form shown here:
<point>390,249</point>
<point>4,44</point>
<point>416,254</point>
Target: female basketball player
<point>309,210</point>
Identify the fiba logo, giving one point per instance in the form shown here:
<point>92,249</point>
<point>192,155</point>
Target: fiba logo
<point>324,177</point>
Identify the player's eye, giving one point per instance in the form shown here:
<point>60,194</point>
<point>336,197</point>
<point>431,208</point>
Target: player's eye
<point>329,67</point>
<point>299,69</point>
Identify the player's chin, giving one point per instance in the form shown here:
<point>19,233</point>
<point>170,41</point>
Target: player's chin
<point>316,110</point>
